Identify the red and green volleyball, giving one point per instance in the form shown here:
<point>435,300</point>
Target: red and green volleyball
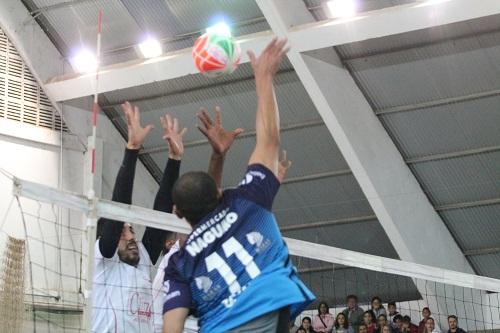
<point>216,54</point>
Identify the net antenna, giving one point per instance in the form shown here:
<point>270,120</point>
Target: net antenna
<point>92,217</point>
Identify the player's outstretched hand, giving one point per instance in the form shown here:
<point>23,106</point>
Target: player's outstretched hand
<point>283,166</point>
<point>136,133</point>
<point>220,139</point>
<point>173,136</point>
<point>268,62</point>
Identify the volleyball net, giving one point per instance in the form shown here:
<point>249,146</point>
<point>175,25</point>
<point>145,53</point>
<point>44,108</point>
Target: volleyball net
<point>44,285</point>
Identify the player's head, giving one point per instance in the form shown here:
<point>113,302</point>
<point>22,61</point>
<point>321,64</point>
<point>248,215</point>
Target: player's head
<point>128,251</point>
<point>195,194</point>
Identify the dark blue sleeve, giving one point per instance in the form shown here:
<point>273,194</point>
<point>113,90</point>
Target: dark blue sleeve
<point>259,185</point>
<point>176,291</point>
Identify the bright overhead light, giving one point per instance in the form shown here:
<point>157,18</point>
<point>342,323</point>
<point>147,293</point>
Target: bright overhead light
<point>342,8</point>
<point>84,61</point>
<point>150,48</point>
<point>220,28</point>
<point>430,2</point>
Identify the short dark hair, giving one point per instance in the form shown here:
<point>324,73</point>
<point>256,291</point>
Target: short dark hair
<point>371,313</point>
<point>382,315</point>
<point>308,318</point>
<point>323,303</point>
<point>354,297</point>
<point>407,319</point>
<point>376,298</point>
<point>391,303</point>
<point>426,308</point>
<point>300,329</point>
<point>346,323</point>
<point>195,194</point>
<point>396,317</point>
<point>453,316</point>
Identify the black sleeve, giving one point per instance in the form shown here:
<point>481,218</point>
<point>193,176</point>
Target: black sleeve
<point>110,231</point>
<point>154,239</point>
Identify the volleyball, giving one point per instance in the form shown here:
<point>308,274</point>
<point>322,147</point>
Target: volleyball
<point>216,54</point>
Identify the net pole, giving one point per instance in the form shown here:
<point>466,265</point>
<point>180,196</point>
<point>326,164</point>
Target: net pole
<point>92,216</point>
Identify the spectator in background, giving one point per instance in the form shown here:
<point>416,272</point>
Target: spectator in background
<point>453,325</point>
<point>342,324</point>
<point>292,328</point>
<point>398,323</point>
<point>353,313</point>
<point>426,313</point>
<point>323,321</point>
<point>362,328</point>
<point>369,321</point>
<point>430,326</point>
<point>301,330</point>
<point>306,325</point>
<point>386,328</point>
<point>391,307</point>
<point>408,326</point>
<point>377,307</point>
<point>382,321</point>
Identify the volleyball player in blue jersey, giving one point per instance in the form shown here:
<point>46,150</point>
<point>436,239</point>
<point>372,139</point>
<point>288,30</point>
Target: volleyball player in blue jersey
<point>234,269</point>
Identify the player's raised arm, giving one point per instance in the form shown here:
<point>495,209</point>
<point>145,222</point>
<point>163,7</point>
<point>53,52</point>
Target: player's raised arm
<point>154,239</point>
<point>220,140</point>
<point>267,124</point>
<point>109,230</point>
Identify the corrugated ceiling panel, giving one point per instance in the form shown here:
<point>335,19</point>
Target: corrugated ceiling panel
<point>475,228</point>
<point>451,69</point>
<point>487,265</point>
<point>76,24</point>
<point>420,37</point>
<point>319,148</point>
<point>469,178</point>
<point>238,102</point>
<point>446,128</point>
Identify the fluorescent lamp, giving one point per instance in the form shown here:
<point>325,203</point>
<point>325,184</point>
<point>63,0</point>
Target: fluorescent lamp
<point>220,28</point>
<point>84,61</point>
<point>150,48</point>
<point>342,8</point>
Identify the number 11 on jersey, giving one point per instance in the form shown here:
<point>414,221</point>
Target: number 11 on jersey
<point>230,247</point>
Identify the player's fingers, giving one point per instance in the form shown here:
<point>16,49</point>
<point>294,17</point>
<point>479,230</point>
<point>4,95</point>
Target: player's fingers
<point>270,45</point>
<point>251,56</point>
<point>202,129</point>
<point>183,132</point>
<point>218,118</point>
<point>169,122</point>
<point>176,125</point>
<point>149,128</point>
<point>137,115</point>
<point>237,132</point>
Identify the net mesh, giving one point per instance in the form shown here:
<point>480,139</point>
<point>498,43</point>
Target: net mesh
<point>44,263</point>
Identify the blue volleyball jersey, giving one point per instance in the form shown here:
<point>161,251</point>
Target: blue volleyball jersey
<point>235,266</point>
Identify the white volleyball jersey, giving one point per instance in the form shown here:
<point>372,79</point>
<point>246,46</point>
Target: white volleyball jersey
<point>191,325</point>
<point>122,296</point>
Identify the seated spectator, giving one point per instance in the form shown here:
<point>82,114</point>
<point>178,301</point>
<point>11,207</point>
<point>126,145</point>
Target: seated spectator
<point>362,328</point>
<point>386,328</point>
<point>430,326</point>
<point>306,325</point>
<point>453,325</point>
<point>426,313</point>
<point>369,321</point>
<point>353,312</point>
<point>323,321</point>
<point>342,325</point>
<point>391,307</point>
<point>377,307</point>
<point>398,323</point>
<point>382,321</point>
<point>408,326</point>
<point>301,330</point>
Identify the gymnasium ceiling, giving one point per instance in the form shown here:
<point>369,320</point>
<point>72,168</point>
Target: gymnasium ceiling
<point>435,91</point>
